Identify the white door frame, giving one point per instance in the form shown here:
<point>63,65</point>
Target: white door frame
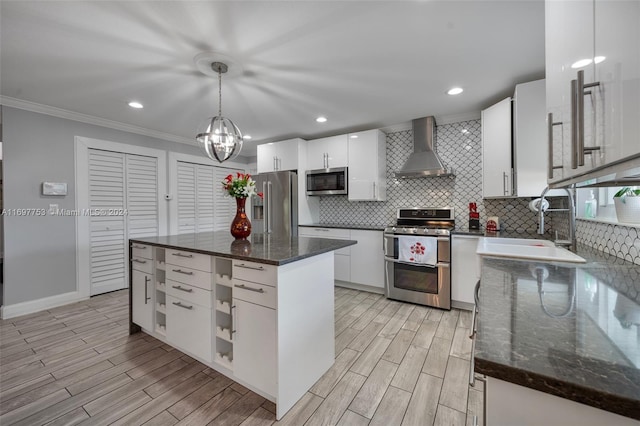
<point>173,159</point>
<point>83,240</point>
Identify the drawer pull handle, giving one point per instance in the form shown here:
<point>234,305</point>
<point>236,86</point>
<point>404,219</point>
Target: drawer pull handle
<point>242,265</point>
<point>244,287</point>
<point>138,261</point>
<point>180,271</point>
<point>139,247</point>
<point>180,305</point>
<point>182,255</point>
<point>186,290</point>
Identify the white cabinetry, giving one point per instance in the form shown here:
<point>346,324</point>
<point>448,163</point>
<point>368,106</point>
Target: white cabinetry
<point>367,166</point>
<point>141,291</point>
<point>465,270</point>
<point>362,264</point>
<point>326,153</point>
<point>254,345</point>
<point>530,139</point>
<point>342,257</point>
<point>510,404</point>
<point>593,84</point>
<point>496,150</point>
<point>367,258</point>
<point>277,156</point>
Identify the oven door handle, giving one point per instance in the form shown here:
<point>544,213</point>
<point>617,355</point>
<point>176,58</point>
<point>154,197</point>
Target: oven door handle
<point>421,265</point>
<point>395,236</point>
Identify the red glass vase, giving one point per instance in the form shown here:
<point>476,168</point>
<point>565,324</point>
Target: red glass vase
<point>240,226</point>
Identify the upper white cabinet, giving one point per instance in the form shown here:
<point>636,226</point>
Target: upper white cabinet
<point>496,150</point>
<point>327,153</point>
<point>367,166</point>
<point>593,84</point>
<point>617,69</point>
<point>515,162</point>
<point>530,151</point>
<point>278,156</point>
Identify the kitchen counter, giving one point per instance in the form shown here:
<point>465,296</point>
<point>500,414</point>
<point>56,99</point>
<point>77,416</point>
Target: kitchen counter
<point>568,330</point>
<point>345,226</point>
<point>261,248</point>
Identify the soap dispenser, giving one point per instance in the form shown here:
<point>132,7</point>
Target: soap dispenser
<point>590,206</point>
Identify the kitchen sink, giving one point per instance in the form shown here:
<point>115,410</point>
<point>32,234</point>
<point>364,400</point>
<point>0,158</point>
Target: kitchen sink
<point>520,248</point>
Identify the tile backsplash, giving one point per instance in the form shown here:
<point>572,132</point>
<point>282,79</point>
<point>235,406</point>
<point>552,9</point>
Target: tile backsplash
<point>459,147</point>
<point>618,240</point>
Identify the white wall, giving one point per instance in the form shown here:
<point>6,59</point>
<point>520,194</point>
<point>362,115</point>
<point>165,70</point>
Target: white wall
<point>40,251</point>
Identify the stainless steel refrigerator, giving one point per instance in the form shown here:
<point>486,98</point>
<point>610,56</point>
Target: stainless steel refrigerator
<point>277,213</point>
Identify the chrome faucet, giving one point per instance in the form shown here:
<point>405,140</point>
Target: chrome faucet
<point>571,243</point>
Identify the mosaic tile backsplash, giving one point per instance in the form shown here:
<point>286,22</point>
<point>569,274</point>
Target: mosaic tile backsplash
<point>459,147</point>
<point>618,240</point>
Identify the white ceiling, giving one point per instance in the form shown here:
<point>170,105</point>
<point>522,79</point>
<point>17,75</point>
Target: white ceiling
<point>361,64</point>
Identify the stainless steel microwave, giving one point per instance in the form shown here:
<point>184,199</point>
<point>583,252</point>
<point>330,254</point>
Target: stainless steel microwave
<point>327,181</point>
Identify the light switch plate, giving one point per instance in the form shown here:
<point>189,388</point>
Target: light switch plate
<point>54,188</point>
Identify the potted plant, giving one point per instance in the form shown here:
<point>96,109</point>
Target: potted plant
<point>240,187</point>
<point>627,203</point>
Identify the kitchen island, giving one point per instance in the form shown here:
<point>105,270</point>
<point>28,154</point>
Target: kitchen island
<point>260,311</point>
<point>558,342</point>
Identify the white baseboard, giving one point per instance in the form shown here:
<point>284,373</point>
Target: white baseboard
<point>362,287</point>
<point>32,306</point>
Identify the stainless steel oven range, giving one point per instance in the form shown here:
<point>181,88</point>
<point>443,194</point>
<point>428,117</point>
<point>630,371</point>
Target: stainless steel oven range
<point>406,279</point>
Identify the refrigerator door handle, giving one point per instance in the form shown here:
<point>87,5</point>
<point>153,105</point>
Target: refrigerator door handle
<point>269,207</point>
<point>265,206</point>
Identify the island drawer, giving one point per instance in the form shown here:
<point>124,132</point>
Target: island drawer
<point>189,327</point>
<point>259,294</point>
<point>190,276</point>
<point>201,262</point>
<point>142,265</point>
<point>142,250</point>
<point>255,272</point>
<point>189,293</point>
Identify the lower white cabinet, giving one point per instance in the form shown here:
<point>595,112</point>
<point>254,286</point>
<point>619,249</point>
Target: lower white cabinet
<point>254,345</point>
<point>510,404</point>
<point>361,264</point>
<point>465,269</point>
<point>367,258</point>
<point>189,327</point>
<point>141,299</point>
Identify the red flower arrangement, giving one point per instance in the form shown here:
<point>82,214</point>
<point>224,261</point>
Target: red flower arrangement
<point>241,186</point>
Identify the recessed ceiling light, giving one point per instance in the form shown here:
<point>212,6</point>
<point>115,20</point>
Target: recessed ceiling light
<point>599,59</point>
<point>270,143</point>
<point>354,136</point>
<point>581,63</point>
<point>247,137</point>
<point>455,91</point>
<point>136,105</point>
<point>321,119</point>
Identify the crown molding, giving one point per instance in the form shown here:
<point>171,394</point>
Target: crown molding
<point>89,119</point>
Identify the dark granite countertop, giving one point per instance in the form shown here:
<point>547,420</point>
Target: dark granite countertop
<point>345,226</point>
<point>570,330</point>
<point>261,248</point>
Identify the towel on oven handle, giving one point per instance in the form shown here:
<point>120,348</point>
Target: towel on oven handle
<point>421,250</point>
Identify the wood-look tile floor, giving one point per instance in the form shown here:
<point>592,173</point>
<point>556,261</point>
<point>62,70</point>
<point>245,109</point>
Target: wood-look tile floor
<point>396,364</point>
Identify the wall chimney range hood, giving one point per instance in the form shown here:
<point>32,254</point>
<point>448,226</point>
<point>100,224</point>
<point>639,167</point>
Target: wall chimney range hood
<point>424,161</point>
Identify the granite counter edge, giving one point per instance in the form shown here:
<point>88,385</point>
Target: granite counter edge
<point>557,387</point>
<point>346,243</point>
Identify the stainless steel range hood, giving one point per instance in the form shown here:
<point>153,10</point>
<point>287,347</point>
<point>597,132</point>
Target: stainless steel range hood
<point>424,161</point>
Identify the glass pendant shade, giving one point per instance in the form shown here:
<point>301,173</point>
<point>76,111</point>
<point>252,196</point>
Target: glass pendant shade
<point>220,139</point>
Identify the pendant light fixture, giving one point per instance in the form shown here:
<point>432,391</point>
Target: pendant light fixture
<point>218,137</point>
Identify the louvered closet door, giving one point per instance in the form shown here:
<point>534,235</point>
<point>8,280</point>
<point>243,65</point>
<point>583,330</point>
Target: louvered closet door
<point>195,197</point>
<point>186,197</point>
<point>142,196</point>
<point>107,232</point>
<point>205,188</point>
